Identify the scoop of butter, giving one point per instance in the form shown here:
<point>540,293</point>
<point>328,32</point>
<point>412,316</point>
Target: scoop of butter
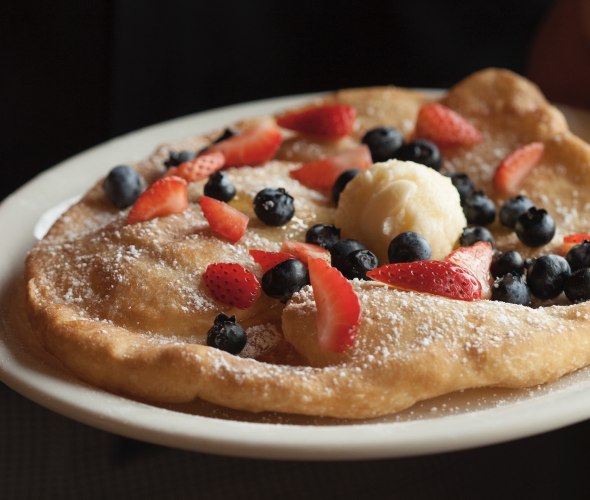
<point>396,196</point>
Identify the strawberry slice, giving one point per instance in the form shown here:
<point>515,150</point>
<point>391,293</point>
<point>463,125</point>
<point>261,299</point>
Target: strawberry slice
<point>200,167</point>
<point>224,221</point>
<point>254,145</point>
<point>476,258</point>
<point>322,174</point>
<point>268,260</point>
<point>430,276</point>
<point>166,196</point>
<point>326,121</point>
<point>512,170</point>
<point>571,240</point>
<point>232,284</point>
<point>338,307</point>
<point>577,238</point>
<point>305,251</point>
<point>445,127</point>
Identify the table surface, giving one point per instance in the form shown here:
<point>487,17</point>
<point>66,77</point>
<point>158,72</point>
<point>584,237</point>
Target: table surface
<point>48,456</point>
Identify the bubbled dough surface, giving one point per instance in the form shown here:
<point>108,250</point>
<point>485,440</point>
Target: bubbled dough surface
<point>395,196</point>
<point>100,296</point>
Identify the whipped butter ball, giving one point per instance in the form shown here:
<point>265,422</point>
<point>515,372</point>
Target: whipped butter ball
<point>396,196</point>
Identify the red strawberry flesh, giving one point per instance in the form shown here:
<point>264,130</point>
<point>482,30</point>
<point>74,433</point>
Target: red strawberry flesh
<point>166,196</point>
<point>224,220</point>
<point>436,277</point>
<point>253,146</point>
<point>322,174</point>
<point>513,170</point>
<point>268,260</point>
<point>200,167</point>
<point>328,121</point>
<point>476,258</point>
<point>445,127</point>
<point>305,251</point>
<point>572,240</point>
<point>576,238</point>
<point>338,307</point>
<point>232,284</point>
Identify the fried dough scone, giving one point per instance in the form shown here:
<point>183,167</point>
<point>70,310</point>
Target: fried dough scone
<point>126,304</point>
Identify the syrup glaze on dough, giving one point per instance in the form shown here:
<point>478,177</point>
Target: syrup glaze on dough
<point>124,308</point>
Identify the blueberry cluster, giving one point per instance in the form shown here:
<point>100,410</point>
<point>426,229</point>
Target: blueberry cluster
<point>386,143</point>
<point>350,257</point>
<point>478,208</point>
<point>533,226</point>
<point>545,277</point>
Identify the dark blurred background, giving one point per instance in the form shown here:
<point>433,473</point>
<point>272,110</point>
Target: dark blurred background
<point>75,73</point>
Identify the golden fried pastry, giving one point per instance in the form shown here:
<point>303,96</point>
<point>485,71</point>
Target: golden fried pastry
<point>126,298</point>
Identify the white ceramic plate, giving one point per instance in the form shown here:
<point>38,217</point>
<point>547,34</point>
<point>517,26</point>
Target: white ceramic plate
<point>461,420</point>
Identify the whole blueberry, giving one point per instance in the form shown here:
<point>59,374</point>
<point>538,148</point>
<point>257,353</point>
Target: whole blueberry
<point>226,334</point>
<point>175,158</point>
<point>122,186</point>
<point>479,209</point>
<point>284,279</point>
<point>578,256</point>
<point>274,207</point>
<point>421,151</point>
<point>463,184</point>
<point>473,234</point>
<point>408,247</point>
<point>535,227</point>
<point>507,262</point>
<point>343,179</point>
<point>383,142</point>
<point>357,263</point>
<point>577,286</point>
<point>340,250</point>
<point>513,289</point>
<point>513,208</point>
<point>219,187</point>
<point>547,275</point>
<point>324,235</point>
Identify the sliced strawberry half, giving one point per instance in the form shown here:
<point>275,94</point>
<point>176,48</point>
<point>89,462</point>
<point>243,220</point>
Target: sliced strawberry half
<point>268,260</point>
<point>327,121</point>
<point>224,221</point>
<point>232,284</point>
<point>200,167</point>
<point>338,307</point>
<point>166,196</point>
<point>577,238</point>
<point>572,240</point>
<point>322,174</point>
<point>305,251</point>
<point>513,170</point>
<point>476,258</point>
<point>437,277</point>
<point>253,146</point>
<point>445,127</point>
